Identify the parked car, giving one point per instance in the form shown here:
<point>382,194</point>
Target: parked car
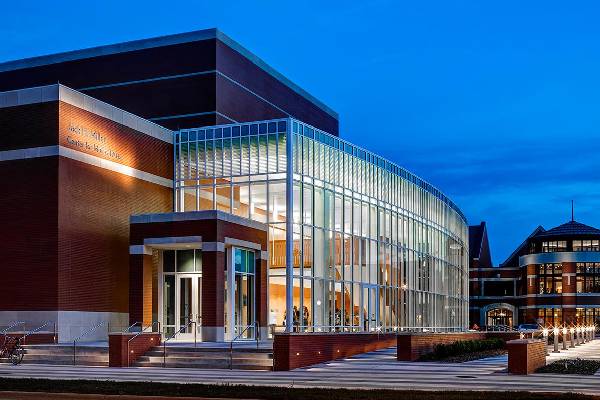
<point>528,327</point>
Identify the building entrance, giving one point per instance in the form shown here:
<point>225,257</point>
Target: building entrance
<point>370,305</point>
<point>181,309</point>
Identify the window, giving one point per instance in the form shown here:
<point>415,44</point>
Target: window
<point>554,246</point>
<point>586,245</point>
<point>588,277</point>
<point>550,278</point>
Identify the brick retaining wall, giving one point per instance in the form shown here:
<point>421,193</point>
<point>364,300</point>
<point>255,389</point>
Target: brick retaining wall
<point>34,338</point>
<point>411,346</point>
<point>295,350</point>
<point>118,353</point>
<point>525,356</point>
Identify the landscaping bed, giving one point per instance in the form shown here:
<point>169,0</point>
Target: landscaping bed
<point>466,350</point>
<point>575,366</point>
<point>175,390</point>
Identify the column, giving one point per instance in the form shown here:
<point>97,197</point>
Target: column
<point>213,292</point>
<point>140,288</point>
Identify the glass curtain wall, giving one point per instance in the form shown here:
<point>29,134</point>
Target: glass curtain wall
<point>372,247</point>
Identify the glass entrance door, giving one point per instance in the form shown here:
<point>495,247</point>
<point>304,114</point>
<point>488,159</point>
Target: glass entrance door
<point>243,299</point>
<point>189,305</point>
<point>181,293</point>
<point>370,306</point>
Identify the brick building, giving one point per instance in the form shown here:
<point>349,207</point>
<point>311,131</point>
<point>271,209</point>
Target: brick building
<point>181,182</point>
<point>551,278</point>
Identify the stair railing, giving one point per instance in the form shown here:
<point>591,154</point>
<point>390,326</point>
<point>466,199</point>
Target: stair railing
<point>138,334</point>
<point>256,337</point>
<point>92,329</point>
<point>14,324</point>
<point>183,327</point>
<point>126,330</point>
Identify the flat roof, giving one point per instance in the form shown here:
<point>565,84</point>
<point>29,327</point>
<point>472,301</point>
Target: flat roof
<point>58,92</point>
<point>160,41</point>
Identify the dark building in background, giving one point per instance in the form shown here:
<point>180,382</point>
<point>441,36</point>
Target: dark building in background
<point>552,278</point>
<point>178,81</point>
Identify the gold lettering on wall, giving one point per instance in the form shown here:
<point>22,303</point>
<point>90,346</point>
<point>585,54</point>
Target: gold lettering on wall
<point>92,141</point>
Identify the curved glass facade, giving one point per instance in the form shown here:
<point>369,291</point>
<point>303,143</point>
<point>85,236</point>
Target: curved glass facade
<point>356,243</point>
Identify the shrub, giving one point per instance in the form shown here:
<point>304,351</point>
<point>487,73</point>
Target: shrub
<point>441,351</point>
<point>571,366</point>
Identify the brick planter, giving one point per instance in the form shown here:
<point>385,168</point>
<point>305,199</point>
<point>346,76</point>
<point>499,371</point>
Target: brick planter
<point>525,356</point>
<point>295,350</point>
<point>118,353</point>
<point>411,346</point>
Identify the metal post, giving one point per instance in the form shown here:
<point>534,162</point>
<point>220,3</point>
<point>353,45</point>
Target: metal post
<point>564,338</point>
<point>195,333</point>
<point>289,234</point>
<point>74,352</point>
<point>555,332</point>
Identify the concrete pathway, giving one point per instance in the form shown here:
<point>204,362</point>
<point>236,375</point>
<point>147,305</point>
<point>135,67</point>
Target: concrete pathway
<point>367,371</point>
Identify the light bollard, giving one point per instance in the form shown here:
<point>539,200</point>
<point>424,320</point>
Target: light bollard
<point>583,339</point>
<point>572,331</point>
<point>564,338</point>
<point>578,336</point>
<point>545,334</point>
<point>555,332</point>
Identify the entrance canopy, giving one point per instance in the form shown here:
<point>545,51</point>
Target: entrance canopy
<point>202,274</point>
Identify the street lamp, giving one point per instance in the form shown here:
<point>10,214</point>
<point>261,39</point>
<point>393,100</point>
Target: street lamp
<point>555,332</point>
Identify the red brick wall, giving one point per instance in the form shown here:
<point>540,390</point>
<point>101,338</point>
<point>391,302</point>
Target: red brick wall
<point>64,235</point>
<point>130,147</point>
<point>411,346</point>
<point>94,210</point>
<point>120,355</point>
<point>29,234</point>
<point>31,125</point>
<point>525,356</point>
<point>295,350</point>
<point>34,338</point>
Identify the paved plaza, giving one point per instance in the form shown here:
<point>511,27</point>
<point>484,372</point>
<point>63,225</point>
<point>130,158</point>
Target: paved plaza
<point>375,370</point>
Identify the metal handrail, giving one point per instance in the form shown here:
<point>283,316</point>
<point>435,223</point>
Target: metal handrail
<point>138,334</point>
<point>132,325</point>
<point>183,327</point>
<point>257,329</point>
<point>92,329</point>
<point>15,323</point>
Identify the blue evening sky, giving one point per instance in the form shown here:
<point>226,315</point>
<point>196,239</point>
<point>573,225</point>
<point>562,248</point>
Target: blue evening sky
<point>496,103</point>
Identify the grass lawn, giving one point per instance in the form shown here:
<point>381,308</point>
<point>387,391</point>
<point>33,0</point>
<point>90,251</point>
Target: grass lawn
<point>254,392</point>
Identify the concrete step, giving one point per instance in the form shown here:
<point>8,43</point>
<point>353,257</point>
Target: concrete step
<point>63,355</point>
<point>208,358</point>
<point>209,355</point>
<point>205,364</point>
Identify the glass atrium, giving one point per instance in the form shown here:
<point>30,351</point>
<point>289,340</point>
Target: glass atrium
<point>356,243</point>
